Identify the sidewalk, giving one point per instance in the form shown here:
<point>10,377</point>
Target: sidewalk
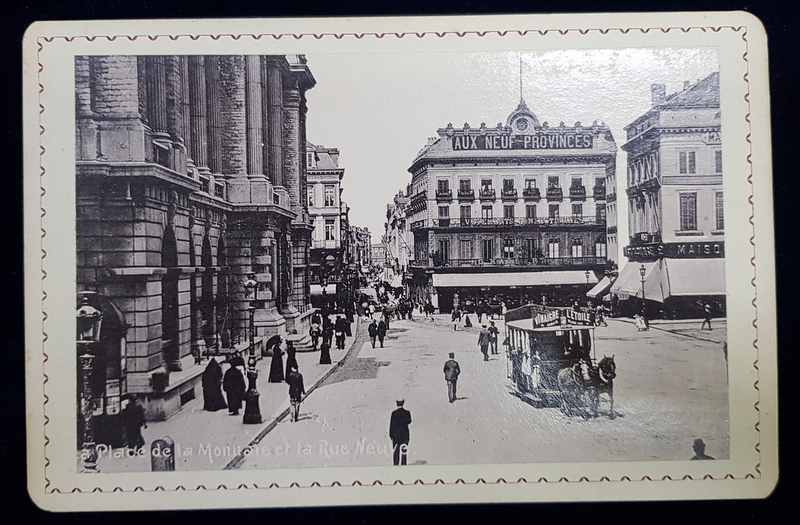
<point>211,440</point>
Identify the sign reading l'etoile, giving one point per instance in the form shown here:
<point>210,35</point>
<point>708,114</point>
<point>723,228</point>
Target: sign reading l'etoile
<point>534,141</point>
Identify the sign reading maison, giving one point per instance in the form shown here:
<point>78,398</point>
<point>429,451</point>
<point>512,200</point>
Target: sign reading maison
<point>677,250</point>
<point>535,141</point>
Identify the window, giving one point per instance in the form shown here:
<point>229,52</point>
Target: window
<point>530,184</point>
<point>508,211</point>
<point>330,230</point>
<point>466,249</point>
<point>577,247</point>
<point>310,160</point>
<point>600,246</point>
<point>486,212</point>
<point>464,185</point>
<point>532,248</point>
<point>488,250</point>
<point>530,211</point>
<point>486,184</point>
<point>444,249</point>
<point>466,212</point>
<point>552,182</point>
<point>688,211</point>
<point>686,162</point>
<point>330,195</point>
<point>552,248</point>
<point>600,184</point>
<point>577,210</point>
<point>553,211</point>
<point>508,184</point>
<point>311,196</point>
<point>718,161</point>
<point>600,212</point>
<point>443,185</point>
<point>576,182</point>
<point>444,212</point>
<point>720,222</point>
<point>508,248</point>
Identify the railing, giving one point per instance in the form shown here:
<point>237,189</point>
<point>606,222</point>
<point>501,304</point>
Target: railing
<point>466,195</point>
<point>517,262</point>
<point>480,222</point>
<point>611,197</point>
<point>577,192</point>
<point>487,195</point>
<point>555,194</point>
<point>642,238</point>
<point>418,202</point>
<point>611,229</point>
<point>325,244</point>
<point>444,195</point>
<point>509,195</point>
<point>531,194</point>
<point>599,192</point>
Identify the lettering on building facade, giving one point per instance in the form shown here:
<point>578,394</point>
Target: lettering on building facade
<point>524,142</point>
<point>676,250</point>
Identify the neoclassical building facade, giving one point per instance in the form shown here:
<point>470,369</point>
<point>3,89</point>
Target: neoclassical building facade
<point>191,180</point>
<point>515,212</point>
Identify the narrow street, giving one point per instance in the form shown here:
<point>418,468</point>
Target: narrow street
<point>671,387</point>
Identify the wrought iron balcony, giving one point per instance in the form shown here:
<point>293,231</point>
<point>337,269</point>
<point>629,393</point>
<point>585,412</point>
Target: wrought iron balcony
<point>642,238</point>
<point>466,195</point>
<point>509,194</point>
<point>577,193</point>
<point>501,222</point>
<point>444,195</point>
<point>531,194</point>
<point>555,194</point>
<point>487,195</point>
<point>519,262</point>
<point>599,192</point>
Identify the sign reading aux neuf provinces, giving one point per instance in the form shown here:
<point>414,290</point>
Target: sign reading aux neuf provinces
<point>534,141</point>
<point>676,250</point>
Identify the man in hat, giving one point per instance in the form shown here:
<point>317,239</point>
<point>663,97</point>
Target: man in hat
<point>398,433</point>
<point>700,449</point>
<point>296,391</point>
<point>451,372</point>
<point>493,332</point>
<point>483,342</point>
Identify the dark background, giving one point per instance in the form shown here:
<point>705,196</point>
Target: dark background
<point>781,20</point>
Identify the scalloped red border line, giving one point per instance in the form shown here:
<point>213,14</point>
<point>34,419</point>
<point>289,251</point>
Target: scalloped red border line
<point>460,481</point>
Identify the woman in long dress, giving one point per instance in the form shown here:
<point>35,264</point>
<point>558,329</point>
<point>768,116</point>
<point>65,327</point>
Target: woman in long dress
<point>133,419</point>
<point>235,387</point>
<point>291,358</point>
<point>276,366</point>
<point>213,399</point>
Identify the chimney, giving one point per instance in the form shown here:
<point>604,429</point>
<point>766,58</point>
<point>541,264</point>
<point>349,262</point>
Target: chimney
<point>658,94</point>
<point>685,84</point>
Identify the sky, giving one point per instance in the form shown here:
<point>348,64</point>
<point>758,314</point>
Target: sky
<point>380,109</point>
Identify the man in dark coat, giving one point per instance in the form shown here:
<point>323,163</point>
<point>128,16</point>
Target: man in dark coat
<point>483,342</point>
<point>234,387</point>
<point>372,329</point>
<point>213,399</point>
<point>398,433</point>
<point>296,391</point>
<point>133,419</point>
<point>381,331</point>
<point>493,331</point>
<point>451,373</point>
<point>325,354</point>
<point>699,448</point>
<point>327,331</point>
<point>341,330</point>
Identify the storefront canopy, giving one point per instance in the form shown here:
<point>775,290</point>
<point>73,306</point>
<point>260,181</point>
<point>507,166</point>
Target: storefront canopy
<point>601,288</point>
<point>484,280</point>
<point>671,278</point>
<point>316,289</point>
<point>629,282</point>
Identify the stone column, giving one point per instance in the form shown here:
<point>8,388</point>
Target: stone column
<point>174,112</point>
<point>86,132</point>
<point>214,150</point>
<point>233,135</point>
<point>274,122</point>
<point>198,122</point>
<point>260,191</point>
<point>291,150</point>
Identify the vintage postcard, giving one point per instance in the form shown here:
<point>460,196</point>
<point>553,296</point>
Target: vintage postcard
<point>310,262</point>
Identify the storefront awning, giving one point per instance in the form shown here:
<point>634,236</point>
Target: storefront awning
<point>629,282</point>
<point>695,276</point>
<point>316,289</point>
<point>601,288</point>
<point>484,280</point>
<point>397,281</point>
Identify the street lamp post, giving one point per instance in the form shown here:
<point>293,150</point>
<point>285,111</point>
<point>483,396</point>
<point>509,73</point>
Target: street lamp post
<point>642,271</point>
<point>88,320</point>
<point>252,409</point>
<point>587,276</point>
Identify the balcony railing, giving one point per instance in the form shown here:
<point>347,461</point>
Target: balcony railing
<point>555,194</point>
<point>520,261</point>
<point>509,194</point>
<point>531,194</point>
<point>480,222</point>
<point>328,245</point>
<point>444,195</point>
<point>599,192</point>
<point>577,193</point>
<point>466,195</point>
<point>642,238</point>
<point>488,195</point>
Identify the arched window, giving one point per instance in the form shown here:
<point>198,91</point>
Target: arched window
<point>170,341</point>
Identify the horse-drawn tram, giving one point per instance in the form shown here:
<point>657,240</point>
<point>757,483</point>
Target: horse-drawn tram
<point>551,359</point>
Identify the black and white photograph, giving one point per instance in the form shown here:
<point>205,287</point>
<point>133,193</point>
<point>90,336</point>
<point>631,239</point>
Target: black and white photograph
<point>416,260</point>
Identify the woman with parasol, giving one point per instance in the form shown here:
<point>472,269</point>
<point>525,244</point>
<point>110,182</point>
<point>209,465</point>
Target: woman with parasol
<point>276,366</point>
